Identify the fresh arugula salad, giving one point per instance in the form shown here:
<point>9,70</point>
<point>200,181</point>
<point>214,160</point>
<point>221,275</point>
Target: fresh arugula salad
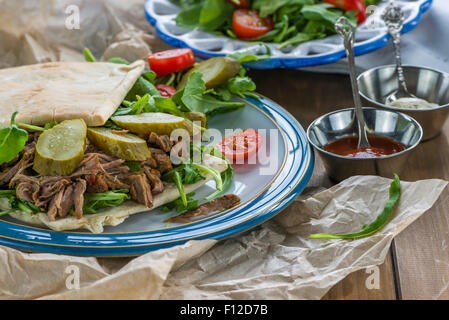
<point>286,22</point>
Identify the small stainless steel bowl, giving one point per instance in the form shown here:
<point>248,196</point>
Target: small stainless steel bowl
<point>428,84</point>
<point>384,123</point>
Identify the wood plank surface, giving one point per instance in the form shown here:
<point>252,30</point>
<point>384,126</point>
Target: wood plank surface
<point>306,96</point>
<point>422,250</point>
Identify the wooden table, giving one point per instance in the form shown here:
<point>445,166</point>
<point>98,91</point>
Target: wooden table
<point>418,264</point>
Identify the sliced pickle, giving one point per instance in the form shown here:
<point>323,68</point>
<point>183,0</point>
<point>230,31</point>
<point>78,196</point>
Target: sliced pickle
<point>125,146</point>
<point>197,116</point>
<point>60,149</point>
<point>215,71</point>
<point>160,123</point>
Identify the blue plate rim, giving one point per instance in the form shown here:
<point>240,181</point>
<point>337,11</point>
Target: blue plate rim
<point>326,58</point>
<point>265,206</point>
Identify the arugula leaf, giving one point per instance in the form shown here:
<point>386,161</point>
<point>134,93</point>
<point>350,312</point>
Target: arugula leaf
<point>183,174</point>
<point>239,85</point>
<point>268,7</point>
<point>211,10</point>
<point>136,107</point>
<point>190,16</point>
<point>17,204</point>
<point>179,206</point>
<point>193,98</point>
<point>141,88</point>
<point>188,173</point>
<point>244,56</point>
<point>133,166</point>
<point>95,201</point>
<point>12,141</point>
<point>299,38</point>
<point>321,12</point>
<point>226,176</point>
<point>150,76</point>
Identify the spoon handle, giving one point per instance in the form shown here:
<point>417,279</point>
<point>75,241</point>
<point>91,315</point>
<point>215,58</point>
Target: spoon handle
<point>346,30</point>
<point>394,19</point>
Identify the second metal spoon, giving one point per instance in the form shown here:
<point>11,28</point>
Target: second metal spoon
<point>346,30</point>
<point>394,18</point>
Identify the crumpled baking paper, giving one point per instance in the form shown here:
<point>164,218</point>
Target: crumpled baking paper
<point>274,261</point>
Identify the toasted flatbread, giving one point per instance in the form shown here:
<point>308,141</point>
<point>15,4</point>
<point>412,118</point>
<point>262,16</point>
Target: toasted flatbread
<point>58,91</point>
<point>116,215</point>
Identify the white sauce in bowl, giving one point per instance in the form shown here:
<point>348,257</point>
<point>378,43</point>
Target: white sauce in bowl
<point>412,103</point>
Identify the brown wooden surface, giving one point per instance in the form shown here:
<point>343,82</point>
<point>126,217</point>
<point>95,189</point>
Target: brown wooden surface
<point>418,264</point>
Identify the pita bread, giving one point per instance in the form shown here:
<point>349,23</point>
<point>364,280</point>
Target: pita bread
<point>116,215</point>
<point>58,91</point>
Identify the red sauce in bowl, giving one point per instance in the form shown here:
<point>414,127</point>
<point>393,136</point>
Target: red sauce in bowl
<point>380,146</point>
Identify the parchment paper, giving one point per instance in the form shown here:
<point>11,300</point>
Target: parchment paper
<point>274,261</point>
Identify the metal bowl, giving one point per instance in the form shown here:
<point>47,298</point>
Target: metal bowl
<point>429,84</point>
<point>383,123</point>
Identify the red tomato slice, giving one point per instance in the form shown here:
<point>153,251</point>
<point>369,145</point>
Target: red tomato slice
<point>240,4</point>
<point>350,5</point>
<point>240,145</point>
<point>247,24</point>
<point>165,90</point>
<point>169,61</point>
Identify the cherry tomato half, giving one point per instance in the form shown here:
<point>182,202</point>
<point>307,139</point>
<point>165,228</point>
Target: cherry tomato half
<point>239,4</point>
<point>165,90</point>
<point>240,145</point>
<point>169,61</point>
<point>350,5</point>
<point>247,24</point>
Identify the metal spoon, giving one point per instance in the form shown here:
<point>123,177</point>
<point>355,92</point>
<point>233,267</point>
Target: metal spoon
<point>394,18</point>
<point>346,30</point>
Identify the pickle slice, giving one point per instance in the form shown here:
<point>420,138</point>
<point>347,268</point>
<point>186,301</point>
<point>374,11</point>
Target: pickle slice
<point>215,71</point>
<point>60,149</point>
<point>124,146</point>
<point>159,123</point>
<point>197,116</point>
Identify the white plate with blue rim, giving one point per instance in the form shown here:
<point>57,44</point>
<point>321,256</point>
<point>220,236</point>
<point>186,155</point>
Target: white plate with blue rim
<point>265,188</point>
<point>370,36</point>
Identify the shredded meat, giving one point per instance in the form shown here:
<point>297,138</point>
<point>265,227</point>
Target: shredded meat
<point>163,142</point>
<point>162,159</point>
<point>27,190</point>
<point>9,173</point>
<point>78,193</point>
<point>102,172</point>
<point>154,176</point>
<point>67,201</point>
<point>97,172</point>
<point>140,190</point>
<point>55,205</point>
<point>151,162</point>
<point>222,203</point>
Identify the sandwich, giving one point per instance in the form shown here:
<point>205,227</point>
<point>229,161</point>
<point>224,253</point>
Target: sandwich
<point>85,145</point>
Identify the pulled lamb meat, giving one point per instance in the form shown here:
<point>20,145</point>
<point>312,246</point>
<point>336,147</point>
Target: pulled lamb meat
<point>96,173</point>
<point>163,142</point>
<point>140,189</point>
<point>163,162</point>
<point>154,176</point>
<point>25,161</point>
